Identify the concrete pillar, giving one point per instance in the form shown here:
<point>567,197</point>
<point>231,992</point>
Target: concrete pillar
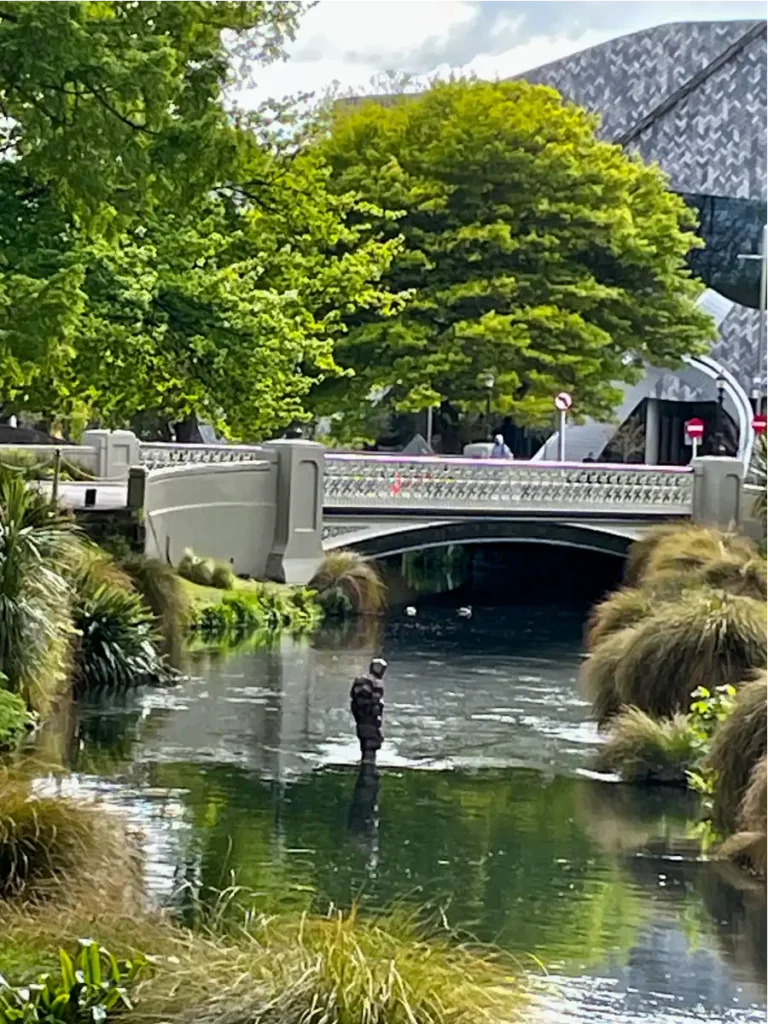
<point>717,490</point>
<point>116,452</point>
<point>297,547</point>
<point>652,423</point>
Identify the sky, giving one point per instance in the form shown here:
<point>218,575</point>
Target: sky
<point>349,42</point>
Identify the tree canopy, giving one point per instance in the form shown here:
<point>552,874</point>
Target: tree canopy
<point>161,254</point>
<point>531,251</point>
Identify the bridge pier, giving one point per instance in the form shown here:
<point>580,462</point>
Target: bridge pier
<point>297,547</point>
<point>717,491</point>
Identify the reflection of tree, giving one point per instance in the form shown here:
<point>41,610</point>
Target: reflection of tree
<point>436,570</point>
<point>502,853</point>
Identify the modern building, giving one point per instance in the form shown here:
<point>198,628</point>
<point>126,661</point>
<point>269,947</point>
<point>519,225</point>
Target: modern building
<point>690,96</point>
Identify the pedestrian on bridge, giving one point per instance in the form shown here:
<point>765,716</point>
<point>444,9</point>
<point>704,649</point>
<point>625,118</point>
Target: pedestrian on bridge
<point>500,449</point>
<point>366,701</point>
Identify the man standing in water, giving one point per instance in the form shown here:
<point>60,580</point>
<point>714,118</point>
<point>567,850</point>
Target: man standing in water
<point>366,701</point>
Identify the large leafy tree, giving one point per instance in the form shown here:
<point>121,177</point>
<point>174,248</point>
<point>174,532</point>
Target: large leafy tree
<point>532,251</point>
<point>161,253</point>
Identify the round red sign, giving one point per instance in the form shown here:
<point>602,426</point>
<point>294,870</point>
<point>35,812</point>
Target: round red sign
<point>694,428</point>
<point>759,423</point>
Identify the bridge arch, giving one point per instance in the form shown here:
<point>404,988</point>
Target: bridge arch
<point>385,541</point>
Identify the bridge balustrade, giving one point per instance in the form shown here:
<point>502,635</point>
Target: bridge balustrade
<point>487,485</point>
<point>159,454</point>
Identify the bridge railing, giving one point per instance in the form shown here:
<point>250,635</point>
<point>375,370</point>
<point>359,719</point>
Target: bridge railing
<point>158,454</point>
<point>395,482</point>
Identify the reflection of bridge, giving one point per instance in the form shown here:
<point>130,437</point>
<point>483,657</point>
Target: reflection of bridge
<point>270,510</point>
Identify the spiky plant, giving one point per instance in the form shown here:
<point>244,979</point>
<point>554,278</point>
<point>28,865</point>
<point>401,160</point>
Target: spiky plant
<point>598,674</point>
<point>36,546</point>
<point>739,744</point>
<point>708,638</point>
<point>625,607</point>
<point>347,583</point>
<point>645,749</point>
<point>117,645</point>
<point>749,846</point>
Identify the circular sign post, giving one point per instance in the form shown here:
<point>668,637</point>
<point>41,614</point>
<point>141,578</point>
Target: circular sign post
<point>759,423</point>
<point>563,402</point>
<point>694,429</point>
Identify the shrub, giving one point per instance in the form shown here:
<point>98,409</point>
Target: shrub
<point>682,549</point>
<point>598,674</point>
<point>623,608</point>
<point>739,744</point>
<point>749,846</point>
<point>346,583</point>
<point>735,576</point>
<point>222,577</point>
<point>645,749</point>
<point>708,638</point>
<point>36,546</point>
<point>15,719</point>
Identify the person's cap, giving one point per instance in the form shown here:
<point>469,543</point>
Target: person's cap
<point>378,666</point>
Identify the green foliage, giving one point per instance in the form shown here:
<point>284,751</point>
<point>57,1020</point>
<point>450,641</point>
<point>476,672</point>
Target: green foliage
<point>87,989</point>
<point>645,749</point>
<point>530,249</point>
<point>168,257</point>
<point>348,584</point>
<point>246,611</point>
<point>117,644</point>
<point>36,542</point>
<point>15,718</point>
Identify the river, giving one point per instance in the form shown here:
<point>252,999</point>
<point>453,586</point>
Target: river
<point>485,808</point>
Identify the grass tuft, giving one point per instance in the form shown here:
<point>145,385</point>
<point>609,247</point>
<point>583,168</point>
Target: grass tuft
<point>708,638</point>
<point>645,749</point>
<point>625,607</point>
<point>682,549</point>
<point>348,584</point>
<point>738,746</point>
<point>598,674</point>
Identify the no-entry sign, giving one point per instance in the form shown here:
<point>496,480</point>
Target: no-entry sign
<point>695,428</point>
<point>759,423</point>
<point>563,401</point>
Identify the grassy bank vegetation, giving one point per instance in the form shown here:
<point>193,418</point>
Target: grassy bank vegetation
<point>75,618</point>
<point>71,878</point>
<point>676,673</point>
<point>347,584</point>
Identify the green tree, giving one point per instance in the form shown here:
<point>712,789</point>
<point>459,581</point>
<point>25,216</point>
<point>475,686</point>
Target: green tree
<point>531,250</point>
<point>162,254</point>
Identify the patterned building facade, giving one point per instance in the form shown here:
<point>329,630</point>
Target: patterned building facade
<point>692,97</point>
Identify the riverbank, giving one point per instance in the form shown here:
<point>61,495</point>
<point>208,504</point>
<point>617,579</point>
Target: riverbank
<point>676,676</point>
<point>246,966</point>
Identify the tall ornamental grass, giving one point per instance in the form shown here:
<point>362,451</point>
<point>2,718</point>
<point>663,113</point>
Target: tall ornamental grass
<point>349,584</point>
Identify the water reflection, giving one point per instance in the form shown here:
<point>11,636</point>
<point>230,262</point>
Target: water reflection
<point>480,806</point>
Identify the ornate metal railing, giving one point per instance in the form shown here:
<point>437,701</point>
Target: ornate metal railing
<point>158,454</point>
<point>389,482</point>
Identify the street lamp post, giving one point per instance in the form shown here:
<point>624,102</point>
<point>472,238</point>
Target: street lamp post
<point>759,385</point>
<point>719,439</point>
<point>489,381</point>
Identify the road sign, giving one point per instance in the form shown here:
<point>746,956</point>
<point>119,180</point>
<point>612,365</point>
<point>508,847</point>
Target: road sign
<point>759,423</point>
<point>695,428</point>
<point>563,401</point>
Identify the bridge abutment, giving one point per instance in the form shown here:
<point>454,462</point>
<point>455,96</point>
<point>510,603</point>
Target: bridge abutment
<point>297,547</point>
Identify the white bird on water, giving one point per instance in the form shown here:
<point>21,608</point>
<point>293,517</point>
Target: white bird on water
<point>465,612</point>
<point>410,611</point>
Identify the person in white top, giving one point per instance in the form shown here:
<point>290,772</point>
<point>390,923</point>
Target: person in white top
<point>500,449</point>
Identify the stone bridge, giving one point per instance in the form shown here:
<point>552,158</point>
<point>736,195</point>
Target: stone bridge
<point>270,510</point>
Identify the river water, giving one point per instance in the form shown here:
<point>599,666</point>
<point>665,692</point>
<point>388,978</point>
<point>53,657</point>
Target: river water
<point>485,808</point>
